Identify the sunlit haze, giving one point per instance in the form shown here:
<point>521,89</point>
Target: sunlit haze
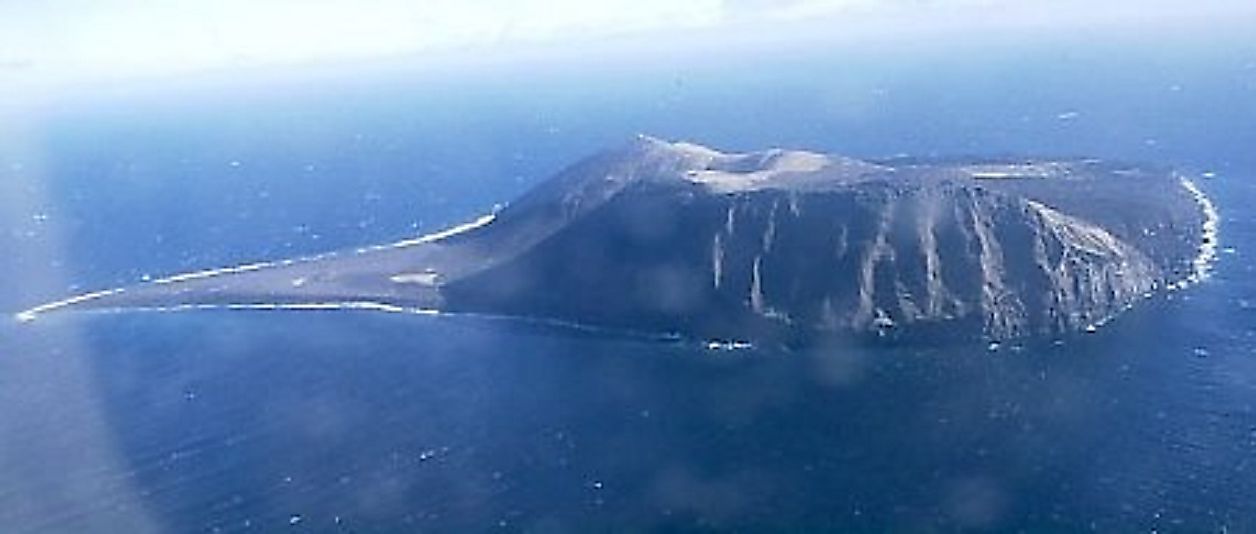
<point>74,40</point>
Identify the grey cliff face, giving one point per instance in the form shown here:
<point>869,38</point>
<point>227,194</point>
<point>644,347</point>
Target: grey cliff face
<point>675,237</point>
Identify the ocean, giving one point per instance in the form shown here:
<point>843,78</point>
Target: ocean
<point>230,421</point>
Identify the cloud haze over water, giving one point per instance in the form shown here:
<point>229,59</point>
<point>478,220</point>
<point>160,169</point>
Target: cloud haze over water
<point>68,40</point>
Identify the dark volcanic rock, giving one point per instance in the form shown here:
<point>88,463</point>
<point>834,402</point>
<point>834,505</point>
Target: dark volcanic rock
<point>677,237</point>
<point>680,238</point>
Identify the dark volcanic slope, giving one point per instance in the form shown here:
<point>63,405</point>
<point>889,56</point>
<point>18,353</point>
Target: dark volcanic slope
<point>681,238</point>
<point>690,240</point>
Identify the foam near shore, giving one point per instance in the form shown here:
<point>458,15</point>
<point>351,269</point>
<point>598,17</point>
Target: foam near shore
<point>355,305</point>
<point>1201,266</point>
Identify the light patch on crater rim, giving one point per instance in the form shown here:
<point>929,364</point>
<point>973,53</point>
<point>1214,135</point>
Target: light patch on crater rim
<point>423,279</point>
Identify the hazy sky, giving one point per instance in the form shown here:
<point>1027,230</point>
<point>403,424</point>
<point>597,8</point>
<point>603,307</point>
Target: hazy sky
<point>69,39</point>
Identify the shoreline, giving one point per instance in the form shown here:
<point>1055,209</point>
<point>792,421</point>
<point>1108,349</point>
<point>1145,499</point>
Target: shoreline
<point>1201,264</point>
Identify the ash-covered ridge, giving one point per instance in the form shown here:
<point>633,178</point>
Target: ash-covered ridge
<point>677,237</point>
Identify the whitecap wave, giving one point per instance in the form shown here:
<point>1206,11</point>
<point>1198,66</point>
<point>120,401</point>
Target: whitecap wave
<point>1202,264</point>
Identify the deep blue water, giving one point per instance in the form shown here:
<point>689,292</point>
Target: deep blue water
<point>217,421</point>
